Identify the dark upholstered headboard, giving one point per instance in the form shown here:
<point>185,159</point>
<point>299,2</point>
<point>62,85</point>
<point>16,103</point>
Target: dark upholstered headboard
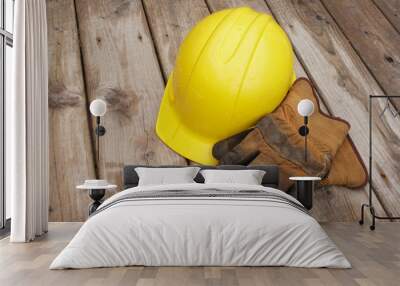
<point>271,177</point>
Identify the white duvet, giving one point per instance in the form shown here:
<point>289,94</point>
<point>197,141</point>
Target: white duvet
<point>200,231</point>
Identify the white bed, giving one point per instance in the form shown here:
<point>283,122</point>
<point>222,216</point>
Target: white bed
<point>267,229</point>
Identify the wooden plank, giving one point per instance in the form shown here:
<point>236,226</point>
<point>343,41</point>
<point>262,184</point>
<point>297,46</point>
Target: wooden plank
<point>344,83</point>
<point>170,21</point>
<point>71,157</point>
<point>331,203</point>
<point>391,9</point>
<point>377,42</point>
<point>121,66</point>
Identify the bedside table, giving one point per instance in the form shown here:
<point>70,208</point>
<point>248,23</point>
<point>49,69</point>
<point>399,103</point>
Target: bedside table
<point>96,193</point>
<point>305,189</point>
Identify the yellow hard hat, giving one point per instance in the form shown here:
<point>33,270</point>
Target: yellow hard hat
<point>234,67</point>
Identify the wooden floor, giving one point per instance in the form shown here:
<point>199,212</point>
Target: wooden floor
<point>125,50</point>
<point>375,257</point>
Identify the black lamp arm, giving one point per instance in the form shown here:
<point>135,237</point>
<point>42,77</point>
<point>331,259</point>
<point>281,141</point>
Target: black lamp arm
<point>99,131</point>
<point>303,131</point>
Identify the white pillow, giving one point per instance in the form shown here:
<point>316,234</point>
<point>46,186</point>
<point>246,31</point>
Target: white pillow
<point>162,176</point>
<point>248,177</point>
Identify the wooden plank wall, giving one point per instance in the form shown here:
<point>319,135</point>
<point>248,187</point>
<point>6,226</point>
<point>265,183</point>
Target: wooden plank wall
<point>71,156</point>
<point>344,83</point>
<point>121,66</point>
<point>123,51</point>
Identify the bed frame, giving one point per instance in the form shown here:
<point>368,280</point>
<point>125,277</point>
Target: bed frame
<point>271,177</point>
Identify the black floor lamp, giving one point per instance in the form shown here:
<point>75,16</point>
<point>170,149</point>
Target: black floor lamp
<point>369,205</point>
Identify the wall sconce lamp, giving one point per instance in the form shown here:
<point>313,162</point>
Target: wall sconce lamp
<point>305,108</point>
<point>98,108</point>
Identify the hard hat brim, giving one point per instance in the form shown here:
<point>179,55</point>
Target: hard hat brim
<point>174,132</point>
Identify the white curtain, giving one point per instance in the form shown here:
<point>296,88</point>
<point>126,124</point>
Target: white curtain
<point>27,124</point>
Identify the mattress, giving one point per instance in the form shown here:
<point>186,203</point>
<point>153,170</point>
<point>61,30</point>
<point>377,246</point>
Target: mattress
<point>201,225</point>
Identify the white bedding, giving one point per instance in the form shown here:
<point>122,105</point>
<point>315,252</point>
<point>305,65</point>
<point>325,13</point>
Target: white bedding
<point>200,231</point>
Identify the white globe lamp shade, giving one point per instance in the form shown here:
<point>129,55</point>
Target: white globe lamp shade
<point>98,107</point>
<point>305,107</point>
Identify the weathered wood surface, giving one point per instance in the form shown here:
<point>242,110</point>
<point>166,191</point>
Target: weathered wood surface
<point>344,83</point>
<point>127,63</point>
<point>121,66</point>
<point>170,21</point>
<point>71,157</point>
<point>374,257</point>
<point>377,41</point>
<point>391,9</point>
<point>332,203</point>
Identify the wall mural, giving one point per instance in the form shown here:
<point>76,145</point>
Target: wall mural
<point>127,53</point>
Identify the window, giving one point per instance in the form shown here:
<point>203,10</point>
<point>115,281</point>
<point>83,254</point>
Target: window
<point>6,60</point>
